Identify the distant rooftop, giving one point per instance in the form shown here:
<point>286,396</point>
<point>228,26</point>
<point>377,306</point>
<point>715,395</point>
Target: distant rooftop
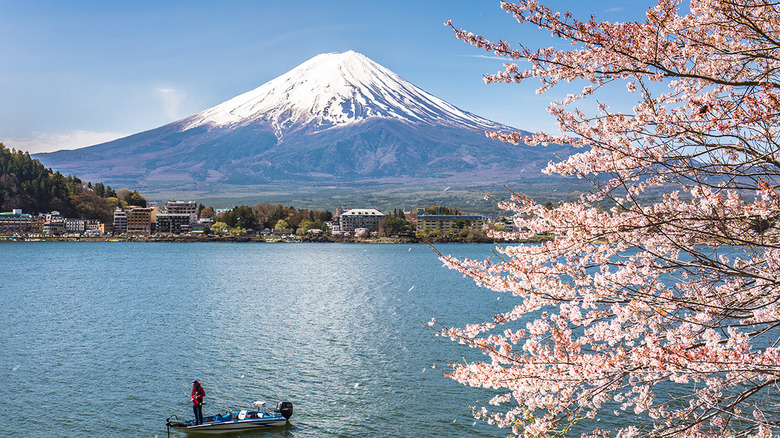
<point>449,217</point>
<point>362,212</point>
<point>11,214</point>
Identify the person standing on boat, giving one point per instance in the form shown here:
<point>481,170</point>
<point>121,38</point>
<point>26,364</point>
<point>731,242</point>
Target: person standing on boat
<point>196,395</point>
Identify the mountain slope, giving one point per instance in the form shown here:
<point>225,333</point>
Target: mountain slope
<point>338,117</point>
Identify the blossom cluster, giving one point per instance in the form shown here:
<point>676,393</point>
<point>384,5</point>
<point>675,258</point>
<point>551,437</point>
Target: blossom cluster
<point>668,272</point>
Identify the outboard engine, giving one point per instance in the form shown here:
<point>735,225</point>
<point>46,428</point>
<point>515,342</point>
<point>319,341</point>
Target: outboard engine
<point>285,408</point>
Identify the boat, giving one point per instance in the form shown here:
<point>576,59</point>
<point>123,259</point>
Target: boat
<point>244,420</point>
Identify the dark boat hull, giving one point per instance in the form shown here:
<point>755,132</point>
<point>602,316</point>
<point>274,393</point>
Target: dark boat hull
<point>233,425</point>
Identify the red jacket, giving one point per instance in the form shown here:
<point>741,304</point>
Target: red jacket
<point>197,395</point>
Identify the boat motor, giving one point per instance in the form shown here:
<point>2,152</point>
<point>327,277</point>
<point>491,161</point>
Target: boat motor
<point>285,408</point>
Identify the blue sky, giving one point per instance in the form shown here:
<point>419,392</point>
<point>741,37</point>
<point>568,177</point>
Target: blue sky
<point>77,73</point>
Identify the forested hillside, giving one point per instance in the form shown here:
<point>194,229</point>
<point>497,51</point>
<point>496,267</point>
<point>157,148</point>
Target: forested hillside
<point>26,184</point>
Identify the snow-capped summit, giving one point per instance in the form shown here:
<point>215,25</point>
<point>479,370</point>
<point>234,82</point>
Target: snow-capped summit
<point>335,89</point>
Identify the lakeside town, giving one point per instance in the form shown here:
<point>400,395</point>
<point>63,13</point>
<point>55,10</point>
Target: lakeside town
<point>37,203</point>
<point>190,221</point>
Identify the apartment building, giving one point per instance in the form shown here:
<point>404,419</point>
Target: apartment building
<point>447,222</point>
<point>183,207</point>
<point>15,222</point>
<point>367,218</point>
<point>139,220</point>
<point>120,221</point>
<point>172,223</point>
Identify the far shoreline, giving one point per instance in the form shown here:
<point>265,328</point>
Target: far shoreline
<point>260,239</point>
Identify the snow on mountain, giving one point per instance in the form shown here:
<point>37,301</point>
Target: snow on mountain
<point>335,89</point>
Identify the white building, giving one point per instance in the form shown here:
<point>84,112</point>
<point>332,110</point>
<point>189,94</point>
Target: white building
<point>120,221</point>
<point>367,218</point>
<point>183,207</point>
<point>75,225</point>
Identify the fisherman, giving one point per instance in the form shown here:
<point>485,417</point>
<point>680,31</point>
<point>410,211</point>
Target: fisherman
<point>196,395</point>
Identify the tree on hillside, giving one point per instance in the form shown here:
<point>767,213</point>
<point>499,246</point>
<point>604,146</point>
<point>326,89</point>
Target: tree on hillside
<point>269,214</point>
<point>324,216</point>
<point>437,209</point>
<point>90,205</point>
<point>219,228</point>
<point>281,225</point>
<point>207,212</point>
<point>26,184</point>
<point>135,198</point>
<point>240,216</point>
<point>665,308</point>
<point>394,223</point>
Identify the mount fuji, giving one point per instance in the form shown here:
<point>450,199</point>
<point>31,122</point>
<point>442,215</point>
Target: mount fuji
<point>338,118</point>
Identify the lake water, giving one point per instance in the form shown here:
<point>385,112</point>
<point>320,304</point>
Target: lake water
<point>103,339</point>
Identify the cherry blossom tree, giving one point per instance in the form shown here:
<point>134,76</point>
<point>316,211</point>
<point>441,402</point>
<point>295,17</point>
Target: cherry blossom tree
<point>654,310</point>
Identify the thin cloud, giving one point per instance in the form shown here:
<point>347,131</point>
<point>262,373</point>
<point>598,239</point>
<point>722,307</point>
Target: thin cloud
<point>500,58</point>
<point>50,142</point>
<point>171,102</point>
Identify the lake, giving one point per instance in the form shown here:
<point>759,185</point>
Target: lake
<point>104,338</point>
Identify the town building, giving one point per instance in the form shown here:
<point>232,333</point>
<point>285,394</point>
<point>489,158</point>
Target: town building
<point>334,226</point>
<point>172,223</point>
<point>82,226</point>
<point>75,226</point>
<point>120,221</point>
<point>15,222</point>
<point>367,218</point>
<point>36,226</point>
<point>92,225</point>
<point>201,225</point>
<point>53,223</point>
<point>106,228</point>
<point>447,222</point>
<point>183,207</point>
<point>504,223</point>
<point>139,220</point>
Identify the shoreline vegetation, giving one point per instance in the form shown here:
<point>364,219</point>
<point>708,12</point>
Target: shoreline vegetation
<point>195,238</point>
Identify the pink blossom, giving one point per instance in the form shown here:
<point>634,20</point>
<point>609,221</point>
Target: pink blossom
<point>668,271</point>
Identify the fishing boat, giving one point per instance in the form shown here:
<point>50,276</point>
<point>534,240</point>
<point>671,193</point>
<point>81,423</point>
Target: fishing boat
<point>235,422</point>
